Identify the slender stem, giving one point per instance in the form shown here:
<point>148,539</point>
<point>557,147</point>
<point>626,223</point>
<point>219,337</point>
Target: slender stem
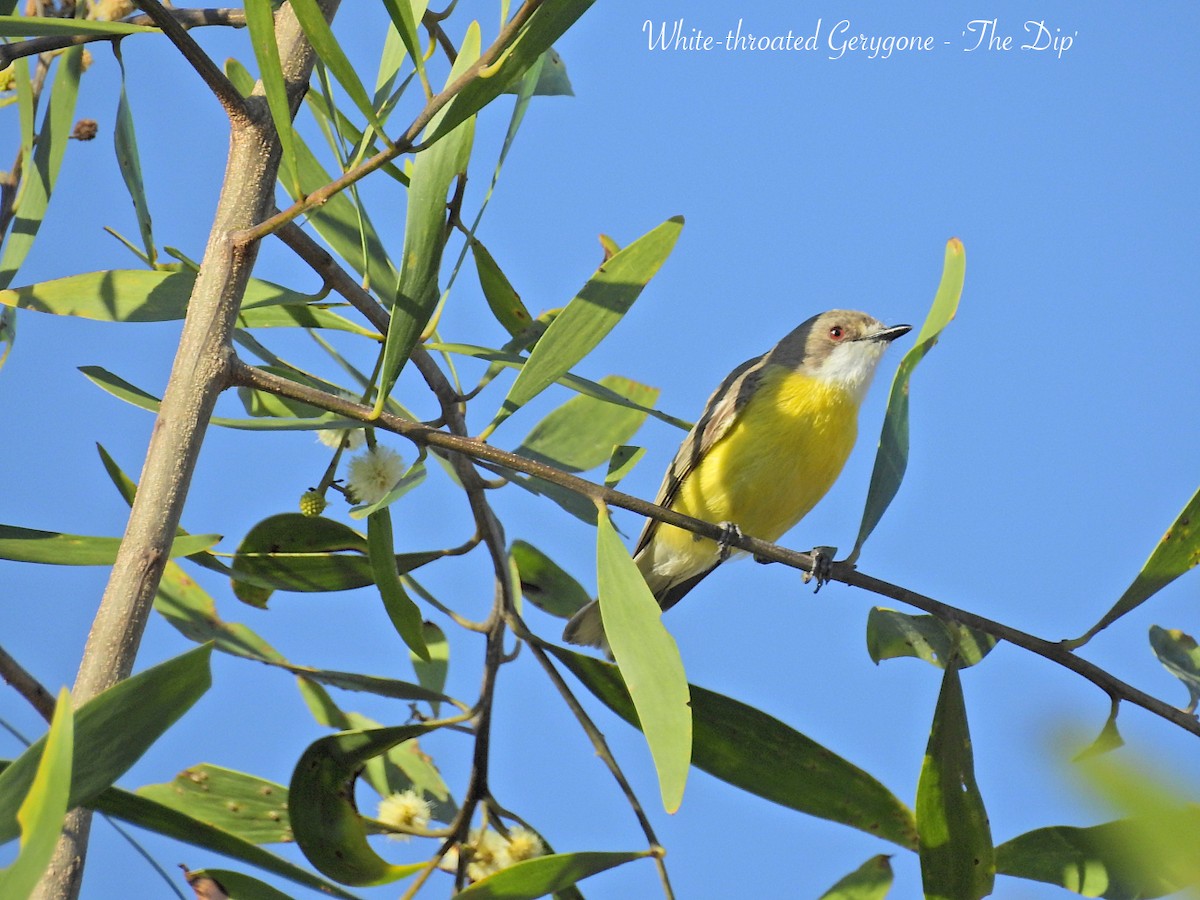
<point>26,685</point>
<point>423,434</point>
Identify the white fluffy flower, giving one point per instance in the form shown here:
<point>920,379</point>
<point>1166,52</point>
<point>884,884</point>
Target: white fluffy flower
<point>524,844</point>
<point>374,473</point>
<point>490,851</point>
<point>332,437</point>
<point>405,810</point>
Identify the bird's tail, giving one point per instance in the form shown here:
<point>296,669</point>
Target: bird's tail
<point>586,628</point>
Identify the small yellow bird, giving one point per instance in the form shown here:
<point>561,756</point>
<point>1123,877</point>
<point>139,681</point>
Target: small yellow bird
<point>770,443</point>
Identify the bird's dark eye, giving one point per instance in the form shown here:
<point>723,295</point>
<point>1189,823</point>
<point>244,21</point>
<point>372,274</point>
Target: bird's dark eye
<point>836,333</point>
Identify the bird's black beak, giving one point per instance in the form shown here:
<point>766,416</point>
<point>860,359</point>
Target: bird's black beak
<point>891,333</point>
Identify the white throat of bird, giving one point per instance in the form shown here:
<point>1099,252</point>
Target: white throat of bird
<point>851,365</point>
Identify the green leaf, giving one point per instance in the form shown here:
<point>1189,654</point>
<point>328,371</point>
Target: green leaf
<point>236,885</point>
<point>412,477</point>
<point>171,823</point>
<point>298,553</point>
<point>581,434</point>
<point>621,463</point>
<point>112,731</point>
<point>433,171</point>
<point>1179,653</point>
<point>957,857</point>
<point>552,80</point>
<point>319,34</point>
<point>55,549</point>
<point>546,585</point>
<point>260,22</point>
<point>31,26</point>
<point>405,15</point>
<point>405,616</point>
<point>892,634</point>
<point>243,805</point>
<point>891,459</point>
<point>870,881</point>
<point>1176,553</point>
<point>128,160</point>
<point>591,315</point>
<point>39,177</point>
<point>545,26</point>
<point>759,754</point>
<point>45,807</point>
<point>544,875</point>
<point>327,826</point>
<point>501,296</point>
<point>431,672</point>
<point>648,659</point>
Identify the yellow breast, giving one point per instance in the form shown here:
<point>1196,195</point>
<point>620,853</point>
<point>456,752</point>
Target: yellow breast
<point>781,456</point>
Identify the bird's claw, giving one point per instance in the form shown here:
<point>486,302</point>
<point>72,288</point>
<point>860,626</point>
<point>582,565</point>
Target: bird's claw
<point>822,569</point>
<point>729,533</point>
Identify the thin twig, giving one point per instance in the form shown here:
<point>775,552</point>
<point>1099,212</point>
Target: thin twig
<point>408,140</point>
<point>187,18</point>
<point>26,685</point>
<point>424,435</point>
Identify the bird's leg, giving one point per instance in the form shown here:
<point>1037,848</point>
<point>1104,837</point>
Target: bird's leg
<point>822,565</point>
<point>729,533</point>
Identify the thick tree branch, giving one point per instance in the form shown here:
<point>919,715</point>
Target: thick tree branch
<point>243,374</point>
<point>198,376</point>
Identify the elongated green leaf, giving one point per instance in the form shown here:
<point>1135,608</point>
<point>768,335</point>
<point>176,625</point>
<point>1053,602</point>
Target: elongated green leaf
<point>433,172</point>
<point>260,22</point>
<point>892,634</point>
<point>1179,653</point>
<point>891,460</point>
<point>130,163</point>
<point>759,754</point>
<point>546,585</point>
<point>328,828</point>
<point>405,16</point>
<point>581,434</point>
<point>236,885</point>
<point>8,332</point>
<point>144,813</point>
<point>298,553</point>
<point>243,805</point>
<point>39,176</point>
<point>43,810</point>
<point>112,731</point>
<point>648,659</point>
<point>957,857</point>
<point>1176,553</point>
<point>342,223</point>
<point>1104,860</point>
<point>552,79</point>
<point>330,52</point>
<point>405,616</point>
<point>544,875</point>
<point>501,296</point>
<point>870,881</point>
<point>545,26</point>
<point>31,26</point>
<point>591,315</point>
<point>55,549</point>
<point>621,463</point>
<point>432,672</point>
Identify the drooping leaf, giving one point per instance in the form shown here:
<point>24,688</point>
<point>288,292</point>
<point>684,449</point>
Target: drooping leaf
<point>957,856</point>
<point>55,549</point>
<point>581,434</point>
<point>591,315</point>
<point>431,672</point>
<point>870,881</point>
<point>251,808</point>
<point>648,659</point>
<point>759,754</point>
<point>433,171</point>
<point>552,80</point>
<point>41,173</point>
<point>544,875</point>
<point>128,160</point>
<point>501,296</point>
<point>237,885</point>
<point>545,584</point>
<point>35,26</point>
<point>1176,553</point>
<point>405,17</point>
<point>891,460</point>
<point>405,616</point>
<point>1181,657</point>
<point>892,634</point>
<point>621,463</point>
<point>328,828</point>
<point>260,22</point>
<point>112,731</point>
<point>44,808</point>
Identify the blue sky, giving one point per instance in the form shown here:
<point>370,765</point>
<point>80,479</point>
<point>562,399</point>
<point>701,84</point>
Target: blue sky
<point>1053,429</point>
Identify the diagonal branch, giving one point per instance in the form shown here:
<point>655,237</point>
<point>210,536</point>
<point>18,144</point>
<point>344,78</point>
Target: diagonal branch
<point>249,376</point>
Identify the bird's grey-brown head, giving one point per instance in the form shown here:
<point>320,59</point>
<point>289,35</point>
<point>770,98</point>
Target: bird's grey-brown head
<point>840,346</point>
